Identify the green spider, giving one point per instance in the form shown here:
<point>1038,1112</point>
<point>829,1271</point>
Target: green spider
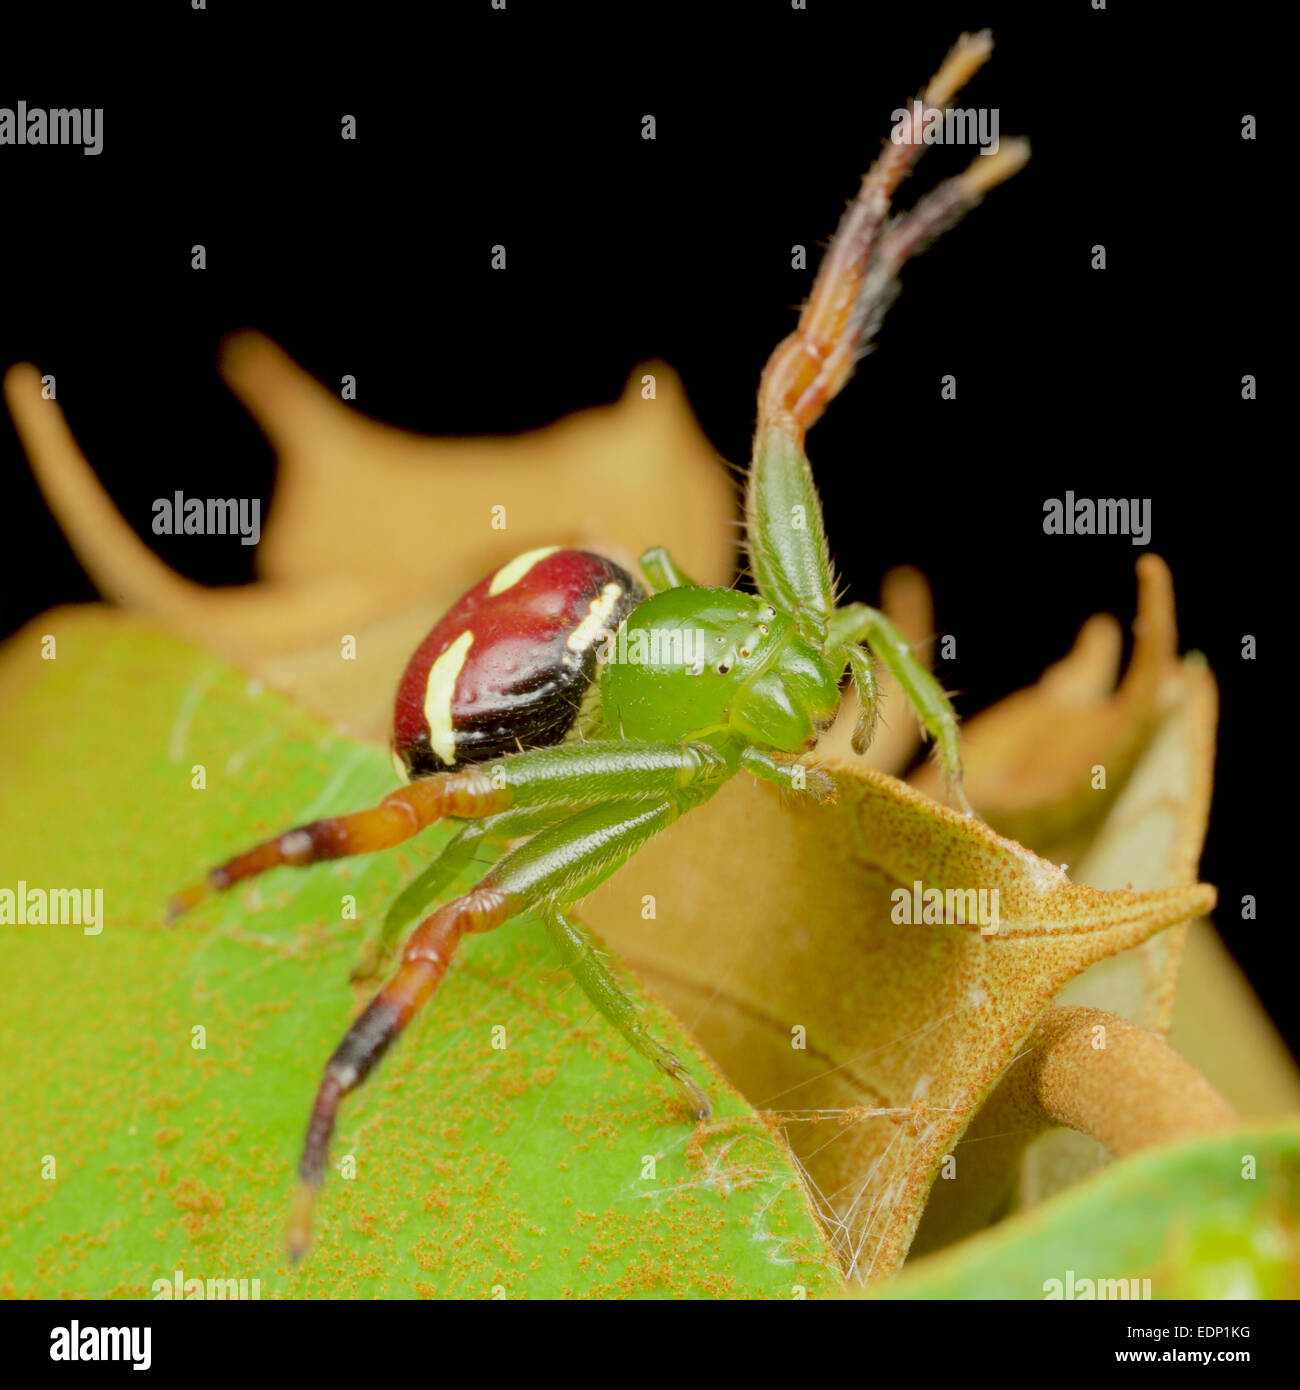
<point>628,710</point>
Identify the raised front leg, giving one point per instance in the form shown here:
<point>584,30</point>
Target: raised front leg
<point>855,284</point>
<point>858,277</point>
<point>786,537</point>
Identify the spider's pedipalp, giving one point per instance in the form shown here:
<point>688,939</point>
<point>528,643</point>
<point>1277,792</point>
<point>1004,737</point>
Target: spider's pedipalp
<point>864,681</point>
<point>923,691</point>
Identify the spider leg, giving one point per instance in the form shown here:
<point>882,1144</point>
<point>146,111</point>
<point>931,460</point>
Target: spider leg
<point>457,855</point>
<point>574,774</point>
<point>784,531</point>
<point>855,284</point>
<point>581,956</point>
<point>401,814</point>
<point>560,864</point>
<point>850,294</point>
<point>423,966</point>
<point>917,682</point>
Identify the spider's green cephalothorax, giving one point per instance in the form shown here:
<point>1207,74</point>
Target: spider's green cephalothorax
<point>495,720</point>
<point>693,661</point>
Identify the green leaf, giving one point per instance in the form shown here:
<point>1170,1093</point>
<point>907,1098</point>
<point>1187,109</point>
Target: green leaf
<point>1212,1218</point>
<point>480,1172</point>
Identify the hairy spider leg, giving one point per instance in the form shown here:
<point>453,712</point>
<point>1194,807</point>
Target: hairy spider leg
<point>401,814</point>
<point>461,851</point>
<point>792,567</point>
<point>810,367</point>
<point>572,775</point>
<point>857,280</point>
<point>581,956</point>
<point>559,866</point>
<point>785,534</point>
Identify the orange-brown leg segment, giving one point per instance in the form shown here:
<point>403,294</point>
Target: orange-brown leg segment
<point>424,964</point>
<point>858,276</point>
<point>398,816</point>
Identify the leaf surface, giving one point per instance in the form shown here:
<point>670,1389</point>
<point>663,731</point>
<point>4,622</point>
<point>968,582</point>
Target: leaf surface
<point>1215,1217</point>
<point>522,1169</point>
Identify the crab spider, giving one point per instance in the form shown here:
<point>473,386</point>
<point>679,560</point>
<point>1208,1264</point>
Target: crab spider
<point>611,749</point>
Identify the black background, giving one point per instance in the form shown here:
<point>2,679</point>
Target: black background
<point>523,127</point>
<point>1089,1334</point>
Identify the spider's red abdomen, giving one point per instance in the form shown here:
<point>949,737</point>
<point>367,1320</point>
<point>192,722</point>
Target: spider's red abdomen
<point>509,663</point>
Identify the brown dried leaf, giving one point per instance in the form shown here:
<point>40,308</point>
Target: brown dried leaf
<point>772,916</point>
<point>1029,759</point>
<point>1151,838</point>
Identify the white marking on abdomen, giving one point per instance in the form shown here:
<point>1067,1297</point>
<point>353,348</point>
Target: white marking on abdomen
<point>438,696</point>
<point>594,624</point>
<point>515,570</point>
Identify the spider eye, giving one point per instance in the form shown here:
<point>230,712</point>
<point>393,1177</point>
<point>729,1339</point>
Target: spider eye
<point>771,612</point>
<point>696,670</point>
<point>745,653</point>
<point>723,667</point>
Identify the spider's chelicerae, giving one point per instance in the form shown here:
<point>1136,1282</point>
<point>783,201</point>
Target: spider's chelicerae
<point>560,700</point>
